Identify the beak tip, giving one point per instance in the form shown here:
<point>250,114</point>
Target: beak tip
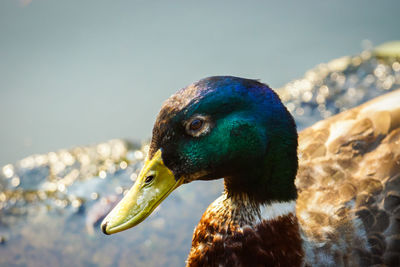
<point>104,228</point>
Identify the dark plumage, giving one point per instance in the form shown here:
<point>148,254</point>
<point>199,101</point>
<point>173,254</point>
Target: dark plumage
<point>249,119</point>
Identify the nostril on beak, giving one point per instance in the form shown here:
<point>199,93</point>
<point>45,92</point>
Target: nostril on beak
<point>103,228</point>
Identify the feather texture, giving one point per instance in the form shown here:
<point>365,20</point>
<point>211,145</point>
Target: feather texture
<point>348,182</point>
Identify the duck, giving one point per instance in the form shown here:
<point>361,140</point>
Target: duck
<point>327,196</point>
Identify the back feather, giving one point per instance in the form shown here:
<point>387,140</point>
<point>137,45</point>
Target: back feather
<point>349,186</point>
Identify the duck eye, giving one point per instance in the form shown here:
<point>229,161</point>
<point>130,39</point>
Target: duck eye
<point>149,179</point>
<point>196,124</point>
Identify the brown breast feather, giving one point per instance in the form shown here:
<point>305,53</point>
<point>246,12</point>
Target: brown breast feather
<point>231,233</point>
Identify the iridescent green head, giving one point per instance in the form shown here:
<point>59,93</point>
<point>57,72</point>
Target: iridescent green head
<point>220,127</point>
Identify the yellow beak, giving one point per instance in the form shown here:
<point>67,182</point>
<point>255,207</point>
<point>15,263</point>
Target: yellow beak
<point>154,184</point>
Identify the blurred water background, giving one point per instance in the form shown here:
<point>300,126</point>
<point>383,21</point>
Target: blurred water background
<point>81,72</point>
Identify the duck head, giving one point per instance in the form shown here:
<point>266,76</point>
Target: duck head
<point>219,127</point>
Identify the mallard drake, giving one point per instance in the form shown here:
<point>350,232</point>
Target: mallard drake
<point>342,208</point>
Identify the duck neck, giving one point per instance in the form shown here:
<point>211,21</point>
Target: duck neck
<point>269,178</point>
<point>240,210</point>
<point>263,186</point>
